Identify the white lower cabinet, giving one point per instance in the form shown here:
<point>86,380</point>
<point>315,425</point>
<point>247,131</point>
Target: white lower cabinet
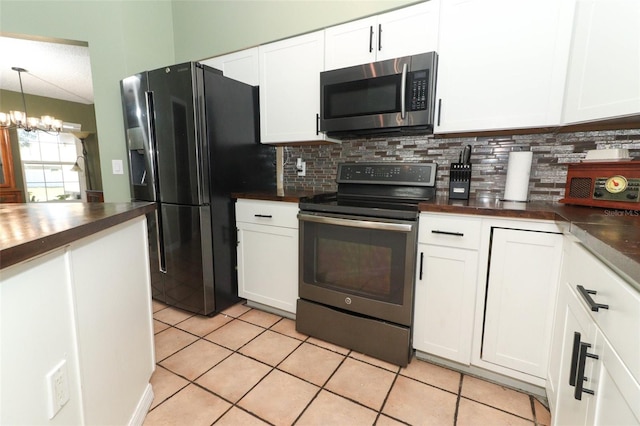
<point>446,286</point>
<point>486,293</point>
<point>268,253</point>
<point>591,354</point>
<point>520,300</point>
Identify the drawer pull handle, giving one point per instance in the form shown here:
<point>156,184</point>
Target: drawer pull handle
<point>580,378</point>
<point>421,264</point>
<point>455,234</point>
<point>575,352</point>
<point>268,216</point>
<point>586,296</point>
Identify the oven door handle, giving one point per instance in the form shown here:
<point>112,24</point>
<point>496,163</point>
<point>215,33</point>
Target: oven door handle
<point>357,223</point>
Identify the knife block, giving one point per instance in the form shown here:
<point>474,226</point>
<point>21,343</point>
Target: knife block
<point>459,181</point>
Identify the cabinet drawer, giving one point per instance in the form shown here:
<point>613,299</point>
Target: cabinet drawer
<point>619,321</point>
<point>275,213</point>
<point>450,230</point>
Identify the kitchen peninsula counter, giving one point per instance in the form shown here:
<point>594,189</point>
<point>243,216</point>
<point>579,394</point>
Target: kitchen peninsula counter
<point>31,229</point>
<point>66,269</point>
<point>613,235</point>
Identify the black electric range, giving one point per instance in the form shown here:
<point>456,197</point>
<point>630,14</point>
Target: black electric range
<point>385,190</point>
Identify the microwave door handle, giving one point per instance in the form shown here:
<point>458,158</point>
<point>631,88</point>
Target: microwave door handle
<point>403,92</point>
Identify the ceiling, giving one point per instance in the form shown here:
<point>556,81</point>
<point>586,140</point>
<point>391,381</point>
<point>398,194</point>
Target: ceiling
<point>55,70</point>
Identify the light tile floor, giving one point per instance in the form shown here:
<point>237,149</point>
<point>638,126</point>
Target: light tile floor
<point>249,367</point>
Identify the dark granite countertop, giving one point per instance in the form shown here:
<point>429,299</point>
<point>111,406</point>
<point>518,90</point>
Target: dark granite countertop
<point>30,229</point>
<point>612,235</point>
<point>286,195</point>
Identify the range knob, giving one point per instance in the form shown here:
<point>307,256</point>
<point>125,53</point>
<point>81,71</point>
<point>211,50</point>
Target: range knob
<point>632,195</point>
<point>597,194</point>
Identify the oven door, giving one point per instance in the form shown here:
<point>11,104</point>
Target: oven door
<point>358,264</point>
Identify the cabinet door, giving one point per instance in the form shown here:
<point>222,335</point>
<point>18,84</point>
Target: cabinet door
<point>290,89</point>
<point>408,31</point>
<point>603,79</point>
<point>617,394</point>
<point>403,32</point>
<point>353,43</point>
<point>241,65</point>
<point>502,63</point>
<point>267,265</point>
<point>520,301</point>
<point>575,319</point>
<point>444,301</point>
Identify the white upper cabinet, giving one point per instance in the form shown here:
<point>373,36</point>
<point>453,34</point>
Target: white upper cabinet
<point>241,65</point>
<point>290,89</point>
<point>403,32</point>
<point>502,63</point>
<point>603,79</point>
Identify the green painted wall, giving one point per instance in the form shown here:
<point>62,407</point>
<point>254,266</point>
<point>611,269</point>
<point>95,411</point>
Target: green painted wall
<point>71,112</point>
<point>203,29</point>
<point>124,37</point>
<point>129,36</point>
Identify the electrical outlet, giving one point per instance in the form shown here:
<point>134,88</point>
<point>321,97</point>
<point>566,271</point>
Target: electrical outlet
<point>57,388</point>
<point>301,167</point>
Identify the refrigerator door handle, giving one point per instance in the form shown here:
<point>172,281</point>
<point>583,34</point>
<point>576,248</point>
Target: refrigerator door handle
<point>162,259</point>
<point>153,152</point>
<point>162,262</point>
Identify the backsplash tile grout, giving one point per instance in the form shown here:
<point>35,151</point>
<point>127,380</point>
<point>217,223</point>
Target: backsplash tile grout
<point>551,153</point>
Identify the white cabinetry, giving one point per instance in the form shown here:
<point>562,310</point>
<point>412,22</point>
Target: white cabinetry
<point>520,300</point>
<point>446,285</point>
<point>241,65</point>
<point>502,63</point>
<point>608,334</point>
<point>603,79</point>
<point>485,294</point>
<point>402,32</point>
<point>89,304</point>
<point>290,89</point>
<point>268,253</point>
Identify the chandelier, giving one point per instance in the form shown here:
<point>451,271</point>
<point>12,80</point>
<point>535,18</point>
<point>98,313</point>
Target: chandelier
<point>20,120</point>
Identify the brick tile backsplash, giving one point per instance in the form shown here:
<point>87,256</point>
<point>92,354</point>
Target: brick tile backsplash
<point>551,154</point>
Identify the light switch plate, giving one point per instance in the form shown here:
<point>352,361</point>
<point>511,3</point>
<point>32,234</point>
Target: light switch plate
<point>116,165</point>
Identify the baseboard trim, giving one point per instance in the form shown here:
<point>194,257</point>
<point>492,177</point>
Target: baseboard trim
<point>137,419</point>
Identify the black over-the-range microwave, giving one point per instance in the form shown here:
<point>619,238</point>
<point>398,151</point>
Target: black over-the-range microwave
<point>391,96</point>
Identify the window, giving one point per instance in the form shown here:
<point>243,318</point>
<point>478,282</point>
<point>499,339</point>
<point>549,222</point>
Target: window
<point>46,164</point>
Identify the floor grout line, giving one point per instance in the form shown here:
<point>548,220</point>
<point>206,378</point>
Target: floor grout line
<point>320,388</point>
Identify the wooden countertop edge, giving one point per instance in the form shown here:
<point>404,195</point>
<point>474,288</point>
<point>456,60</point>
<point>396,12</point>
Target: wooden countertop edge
<point>30,249</point>
<point>289,197</point>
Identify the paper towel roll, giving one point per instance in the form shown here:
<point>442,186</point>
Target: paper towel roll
<point>518,171</point>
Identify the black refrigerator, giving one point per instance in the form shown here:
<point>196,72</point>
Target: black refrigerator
<point>193,139</point>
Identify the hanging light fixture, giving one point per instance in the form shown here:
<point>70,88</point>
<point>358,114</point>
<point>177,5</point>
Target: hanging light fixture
<point>20,120</point>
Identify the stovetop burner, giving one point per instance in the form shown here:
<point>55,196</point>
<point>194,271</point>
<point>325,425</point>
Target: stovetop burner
<point>386,190</point>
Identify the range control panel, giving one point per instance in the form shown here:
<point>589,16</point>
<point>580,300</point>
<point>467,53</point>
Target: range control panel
<point>411,174</point>
<point>616,188</point>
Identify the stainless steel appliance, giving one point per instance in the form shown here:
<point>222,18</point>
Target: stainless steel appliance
<point>391,96</point>
<point>192,140</point>
<point>358,258</point>
<point>612,184</point>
